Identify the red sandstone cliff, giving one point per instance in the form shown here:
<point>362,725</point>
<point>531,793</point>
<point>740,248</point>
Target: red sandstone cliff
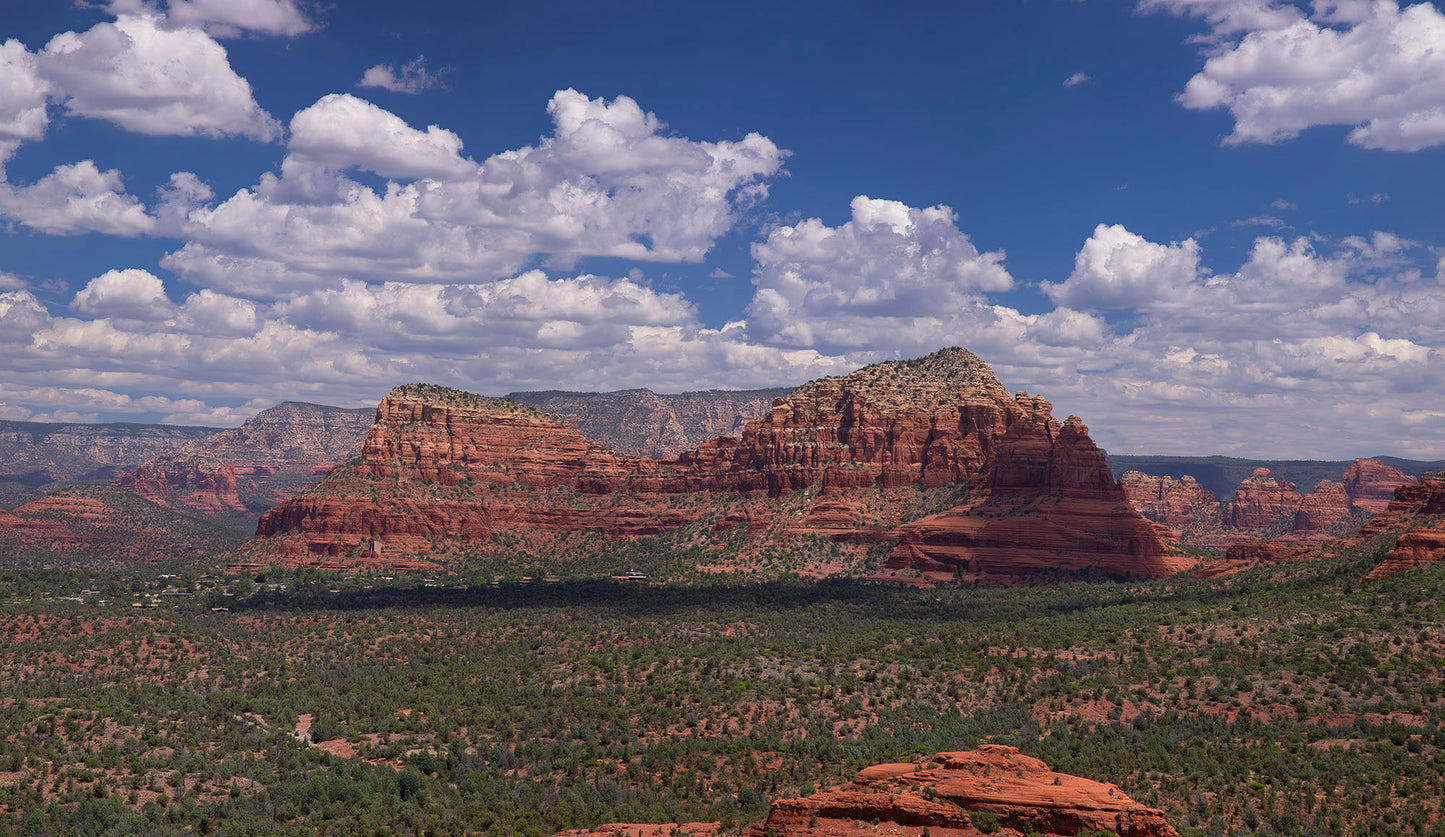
<point>1051,506</point>
<point>1418,513</point>
<point>440,464</point>
<point>1179,504</point>
<point>1262,501</point>
<point>1414,520</point>
<point>1021,792</point>
<point>1262,506</point>
<point>1371,484</point>
<point>1323,509</point>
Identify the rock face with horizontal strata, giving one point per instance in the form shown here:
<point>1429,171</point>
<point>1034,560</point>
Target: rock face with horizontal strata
<point>1262,501</point>
<point>444,464</point>
<point>273,456</point>
<point>1326,507</point>
<point>944,796</point>
<point>1179,504</point>
<point>1371,483</point>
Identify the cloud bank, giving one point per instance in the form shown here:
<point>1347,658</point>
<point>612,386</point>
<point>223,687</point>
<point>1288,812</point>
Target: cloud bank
<point>377,251</point>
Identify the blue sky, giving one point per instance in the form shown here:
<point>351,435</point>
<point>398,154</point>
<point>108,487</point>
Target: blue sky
<point>1206,226</point>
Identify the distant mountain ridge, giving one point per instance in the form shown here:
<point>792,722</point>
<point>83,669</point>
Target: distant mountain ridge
<point>194,493</point>
<point>234,475</point>
<point>62,451</point>
<point>640,422</point>
<point>1222,474</point>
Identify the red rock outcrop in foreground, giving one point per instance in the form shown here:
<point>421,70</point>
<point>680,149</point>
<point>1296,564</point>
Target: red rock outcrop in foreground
<point>1022,792</point>
<point>440,464</point>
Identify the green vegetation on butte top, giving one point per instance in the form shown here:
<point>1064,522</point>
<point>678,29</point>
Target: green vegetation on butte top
<point>934,379</point>
<point>1295,700</point>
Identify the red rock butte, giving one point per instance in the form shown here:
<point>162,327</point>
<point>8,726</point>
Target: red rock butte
<point>1417,512</point>
<point>1264,508</point>
<point>1033,495</point>
<point>956,792</point>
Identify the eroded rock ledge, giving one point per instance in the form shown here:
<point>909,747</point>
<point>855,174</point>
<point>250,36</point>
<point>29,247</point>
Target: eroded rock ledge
<point>956,793</point>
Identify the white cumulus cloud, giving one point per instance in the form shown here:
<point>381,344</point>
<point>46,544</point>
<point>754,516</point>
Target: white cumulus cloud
<point>1118,269</point>
<point>128,294</point>
<point>341,132</point>
<point>147,78</point>
<point>226,18</point>
<point>1373,67</point>
<point>609,181</point>
<point>77,198</point>
<point>23,96</point>
<point>891,272</point>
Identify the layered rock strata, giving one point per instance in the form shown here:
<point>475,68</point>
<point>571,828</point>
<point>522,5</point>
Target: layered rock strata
<point>1326,507</point>
<point>1264,507</point>
<point>1371,484</point>
<point>45,453</point>
<point>1417,512</point>
<point>993,786</point>
<point>1179,504</point>
<point>444,464</point>
<point>1262,501</point>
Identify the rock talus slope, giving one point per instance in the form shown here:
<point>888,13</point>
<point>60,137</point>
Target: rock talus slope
<point>1017,791</point>
<point>441,464</point>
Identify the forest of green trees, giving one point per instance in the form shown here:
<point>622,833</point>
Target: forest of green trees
<point>1291,700</point>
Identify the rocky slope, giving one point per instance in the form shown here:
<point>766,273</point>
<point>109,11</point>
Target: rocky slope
<point>239,473</point>
<point>966,793</point>
<point>640,422</point>
<point>39,453</point>
<point>1027,493</point>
